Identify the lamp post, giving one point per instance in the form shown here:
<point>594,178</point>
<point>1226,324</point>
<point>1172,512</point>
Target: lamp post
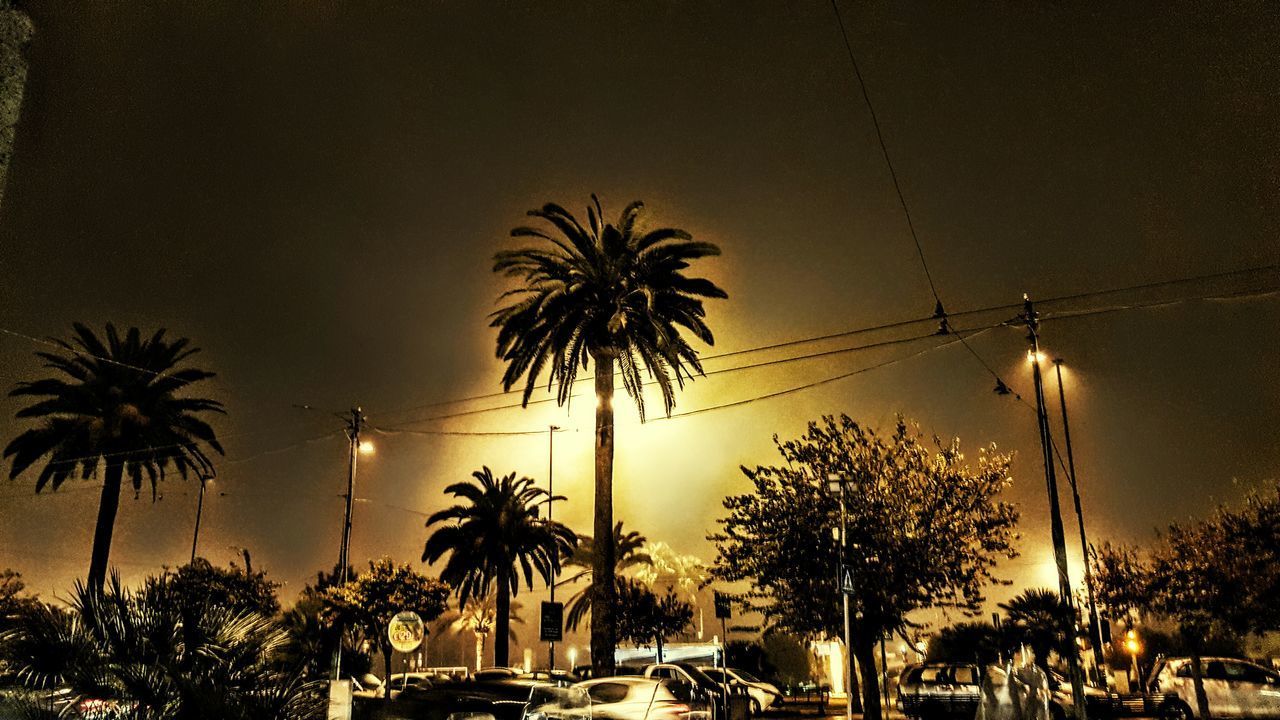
<point>1095,628</point>
<point>838,482</point>
<point>195,536</point>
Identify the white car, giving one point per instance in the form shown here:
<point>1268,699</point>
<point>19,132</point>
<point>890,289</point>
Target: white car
<point>1235,688</point>
<point>633,698</point>
<point>763,694</point>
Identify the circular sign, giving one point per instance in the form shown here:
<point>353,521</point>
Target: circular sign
<point>406,631</point>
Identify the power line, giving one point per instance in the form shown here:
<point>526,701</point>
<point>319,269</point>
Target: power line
<point>897,324</point>
<point>884,149</point>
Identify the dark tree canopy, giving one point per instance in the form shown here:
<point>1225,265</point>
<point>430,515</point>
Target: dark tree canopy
<point>372,598</point>
<point>926,527</point>
<point>201,582</point>
<point>646,618</point>
<point>1216,578</point>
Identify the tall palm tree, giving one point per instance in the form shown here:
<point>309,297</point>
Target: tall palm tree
<point>494,536</point>
<point>611,295</point>
<point>119,406</point>
<point>626,550</point>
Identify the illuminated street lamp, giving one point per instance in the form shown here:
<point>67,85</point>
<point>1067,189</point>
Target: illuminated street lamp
<point>366,447</point>
<point>1134,647</point>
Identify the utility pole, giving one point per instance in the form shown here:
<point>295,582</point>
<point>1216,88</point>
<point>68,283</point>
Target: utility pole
<point>1095,628</point>
<point>1055,513</point>
<point>353,434</point>
<point>551,474</point>
<point>195,536</point>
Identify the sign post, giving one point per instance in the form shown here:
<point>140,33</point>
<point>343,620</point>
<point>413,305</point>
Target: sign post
<point>724,611</point>
<point>406,631</point>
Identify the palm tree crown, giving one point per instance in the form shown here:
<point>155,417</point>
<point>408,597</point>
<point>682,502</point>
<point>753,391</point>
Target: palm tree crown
<point>115,402</point>
<point>605,290</point>
<point>494,538</point>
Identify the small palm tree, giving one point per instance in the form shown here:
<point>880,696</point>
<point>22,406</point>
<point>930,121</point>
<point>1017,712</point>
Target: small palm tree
<point>478,617</point>
<point>119,406</point>
<point>627,551</point>
<point>614,296</point>
<point>1035,617</point>
<point>493,537</point>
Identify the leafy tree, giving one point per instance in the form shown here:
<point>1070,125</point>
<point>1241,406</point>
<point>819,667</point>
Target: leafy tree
<point>614,296</point>
<point>645,618</point>
<point>976,642</point>
<point>369,601</point>
<point>203,582</point>
<point>925,529</point>
<point>1035,618</point>
<point>627,554</point>
<point>160,656</point>
<point>1217,577</point>
<point>13,598</point>
<point>494,536</point>
<point>120,405</point>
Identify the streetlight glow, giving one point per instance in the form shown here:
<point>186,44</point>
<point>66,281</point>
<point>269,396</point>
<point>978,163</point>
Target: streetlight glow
<point>1035,357</point>
<point>366,447</point>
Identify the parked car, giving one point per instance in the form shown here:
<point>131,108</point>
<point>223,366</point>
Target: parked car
<point>939,690</point>
<point>702,690</point>
<point>1098,703</point>
<point>1235,688</point>
<point>629,697</point>
<point>762,694</point>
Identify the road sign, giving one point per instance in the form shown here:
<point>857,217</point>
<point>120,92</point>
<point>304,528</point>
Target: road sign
<point>551,629</point>
<point>846,580</point>
<point>724,609</point>
<point>405,631</point>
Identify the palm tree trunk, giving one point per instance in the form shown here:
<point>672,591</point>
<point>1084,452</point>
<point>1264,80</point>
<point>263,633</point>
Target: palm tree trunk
<point>107,508</point>
<point>604,635</point>
<point>479,650</point>
<point>502,623</point>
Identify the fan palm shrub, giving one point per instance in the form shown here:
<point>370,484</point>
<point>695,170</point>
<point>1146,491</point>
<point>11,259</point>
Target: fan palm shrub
<point>157,656</point>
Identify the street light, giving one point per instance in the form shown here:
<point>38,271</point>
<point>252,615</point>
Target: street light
<point>1134,647</point>
<point>366,447</point>
<point>838,483</point>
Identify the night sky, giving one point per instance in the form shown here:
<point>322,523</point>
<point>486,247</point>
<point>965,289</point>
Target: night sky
<point>313,193</point>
